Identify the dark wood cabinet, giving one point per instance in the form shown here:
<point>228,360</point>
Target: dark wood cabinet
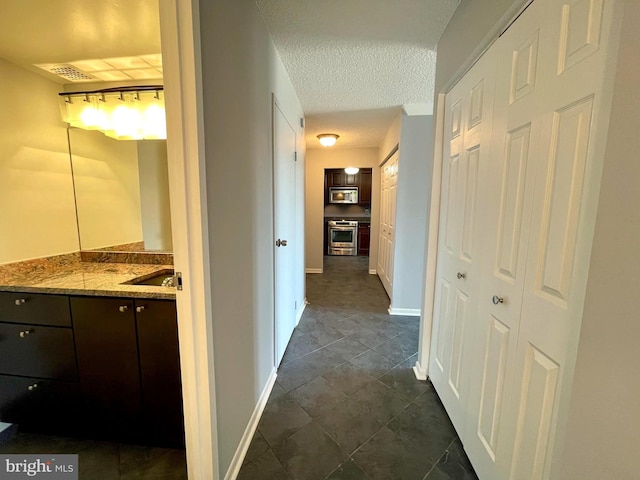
<point>37,351</point>
<point>364,186</point>
<point>107,350</point>
<point>40,405</point>
<point>35,309</point>
<point>102,367</point>
<point>162,415</point>
<point>336,177</point>
<point>364,237</point>
<point>38,374</point>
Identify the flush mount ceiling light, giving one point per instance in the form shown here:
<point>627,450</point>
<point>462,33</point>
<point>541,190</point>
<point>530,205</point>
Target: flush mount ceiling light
<point>127,113</point>
<point>328,139</point>
<point>351,170</point>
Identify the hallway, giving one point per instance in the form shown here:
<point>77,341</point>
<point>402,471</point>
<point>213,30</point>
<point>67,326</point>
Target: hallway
<point>346,404</point>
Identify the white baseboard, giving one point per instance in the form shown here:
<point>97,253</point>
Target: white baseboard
<point>245,441</point>
<point>373,271</point>
<point>408,312</point>
<point>301,311</point>
<point>420,373</point>
<point>312,270</point>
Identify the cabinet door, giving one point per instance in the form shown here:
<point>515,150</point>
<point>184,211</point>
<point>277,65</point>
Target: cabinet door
<point>105,334</point>
<point>365,186</point>
<point>336,178</point>
<point>39,405</point>
<point>351,180</point>
<point>157,327</point>
<point>363,240</point>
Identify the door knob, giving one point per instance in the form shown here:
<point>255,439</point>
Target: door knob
<point>281,243</point>
<point>496,300</point>
<point>31,388</point>
<point>140,309</point>
<point>20,301</point>
<point>123,308</point>
<point>462,275</point>
<point>24,333</point>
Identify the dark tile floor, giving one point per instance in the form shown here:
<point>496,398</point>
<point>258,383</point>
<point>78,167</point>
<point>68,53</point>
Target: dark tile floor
<point>105,460</point>
<point>346,404</point>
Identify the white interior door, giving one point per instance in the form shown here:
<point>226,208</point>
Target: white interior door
<point>388,195</point>
<point>574,104</point>
<point>284,148</point>
<point>506,218</point>
<point>538,204</point>
<point>467,141</point>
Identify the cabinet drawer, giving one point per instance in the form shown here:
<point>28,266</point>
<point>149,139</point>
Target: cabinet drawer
<point>38,404</point>
<point>37,351</point>
<point>35,309</point>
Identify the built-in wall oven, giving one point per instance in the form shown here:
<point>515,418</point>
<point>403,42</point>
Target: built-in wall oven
<point>343,237</point>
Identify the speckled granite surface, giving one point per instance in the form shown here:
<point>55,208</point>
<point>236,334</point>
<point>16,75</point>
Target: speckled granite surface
<point>67,275</point>
<point>149,258</point>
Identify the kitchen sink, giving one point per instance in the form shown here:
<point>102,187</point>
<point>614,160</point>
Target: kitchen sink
<point>161,278</point>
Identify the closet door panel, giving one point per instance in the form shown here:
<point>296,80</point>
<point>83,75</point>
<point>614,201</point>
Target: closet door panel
<point>506,218</point>
<point>577,88</point>
<point>466,156</point>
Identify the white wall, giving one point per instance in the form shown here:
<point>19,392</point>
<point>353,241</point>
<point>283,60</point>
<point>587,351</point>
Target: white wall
<point>391,139</point>
<point>241,70</point>
<point>154,194</point>
<point>465,35</point>
<point>414,137</point>
<point>37,213</point>
<point>602,432</point>
<point>107,187</point>
<point>317,161</point>
<point>414,192</point>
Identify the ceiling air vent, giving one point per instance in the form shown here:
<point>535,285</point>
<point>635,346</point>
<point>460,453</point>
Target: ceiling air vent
<point>67,72</point>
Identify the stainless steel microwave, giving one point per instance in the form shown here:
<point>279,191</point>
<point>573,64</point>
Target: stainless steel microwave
<point>343,195</point>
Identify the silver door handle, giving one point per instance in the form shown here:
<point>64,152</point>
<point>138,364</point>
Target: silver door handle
<point>462,275</point>
<point>281,243</point>
<point>496,300</point>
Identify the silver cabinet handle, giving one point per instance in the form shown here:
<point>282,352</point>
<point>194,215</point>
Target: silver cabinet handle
<point>20,301</point>
<point>496,300</point>
<point>24,333</point>
<point>462,275</point>
<point>123,308</point>
<point>140,309</point>
<point>31,388</point>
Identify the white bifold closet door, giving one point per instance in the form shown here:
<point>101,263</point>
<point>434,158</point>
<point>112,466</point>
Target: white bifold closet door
<point>506,334</point>
<point>388,195</point>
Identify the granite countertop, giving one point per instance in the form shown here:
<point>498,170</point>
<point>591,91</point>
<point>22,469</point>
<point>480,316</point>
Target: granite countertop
<point>67,275</point>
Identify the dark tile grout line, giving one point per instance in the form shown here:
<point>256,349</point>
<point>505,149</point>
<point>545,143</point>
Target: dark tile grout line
<point>350,456</point>
<point>446,452</point>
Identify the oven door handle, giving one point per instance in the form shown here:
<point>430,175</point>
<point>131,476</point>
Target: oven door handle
<point>343,229</point>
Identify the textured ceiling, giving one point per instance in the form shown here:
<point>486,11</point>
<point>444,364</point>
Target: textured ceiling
<point>353,63</point>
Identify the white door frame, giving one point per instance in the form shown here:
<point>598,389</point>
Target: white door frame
<point>421,368</point>
<point>180,34</point>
